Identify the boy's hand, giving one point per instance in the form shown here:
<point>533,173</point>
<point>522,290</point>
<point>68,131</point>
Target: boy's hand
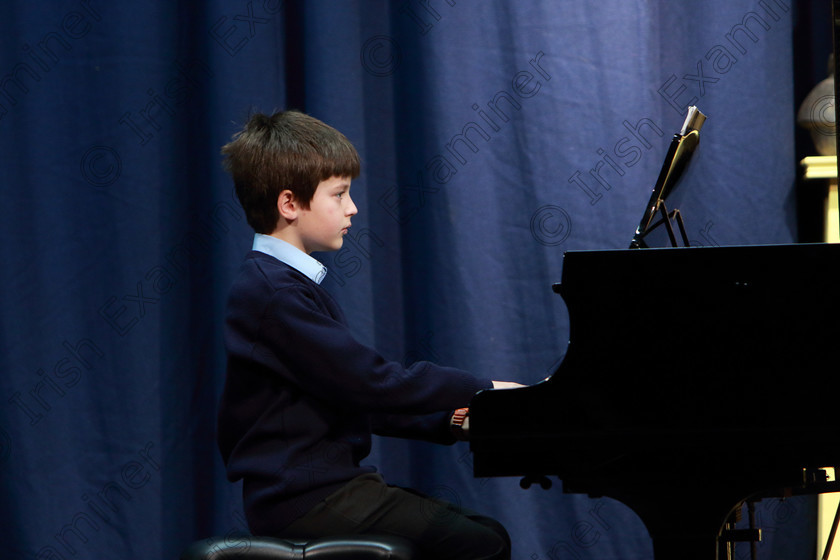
<point>506,385</point>
<point>459,423</point>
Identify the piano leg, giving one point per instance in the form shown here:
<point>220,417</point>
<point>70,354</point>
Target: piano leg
<point>731,535</point>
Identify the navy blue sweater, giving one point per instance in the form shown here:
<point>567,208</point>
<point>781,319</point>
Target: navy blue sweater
<point>302,397</point>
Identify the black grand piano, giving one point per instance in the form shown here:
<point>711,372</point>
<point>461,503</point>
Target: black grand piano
<point>702,376</point>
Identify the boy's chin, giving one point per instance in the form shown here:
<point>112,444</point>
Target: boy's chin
<point>330,248</point>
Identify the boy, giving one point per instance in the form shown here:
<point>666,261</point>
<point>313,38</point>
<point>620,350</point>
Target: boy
<point>302,397</point>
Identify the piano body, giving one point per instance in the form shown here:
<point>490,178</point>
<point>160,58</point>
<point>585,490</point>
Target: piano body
<point>695,378</point>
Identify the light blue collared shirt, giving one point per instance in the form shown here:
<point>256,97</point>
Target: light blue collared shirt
<point>291,255</point>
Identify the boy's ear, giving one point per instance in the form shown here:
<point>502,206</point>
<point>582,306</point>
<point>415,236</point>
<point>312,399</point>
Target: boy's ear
<point>287,205</point>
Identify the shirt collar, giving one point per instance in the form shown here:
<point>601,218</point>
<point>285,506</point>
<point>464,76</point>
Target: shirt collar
<point>287,253</point>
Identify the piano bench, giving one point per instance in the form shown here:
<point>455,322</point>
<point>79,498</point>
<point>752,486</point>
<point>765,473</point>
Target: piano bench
<point>351,547</point>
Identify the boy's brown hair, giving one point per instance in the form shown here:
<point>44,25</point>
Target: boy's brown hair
<point>287,150</point>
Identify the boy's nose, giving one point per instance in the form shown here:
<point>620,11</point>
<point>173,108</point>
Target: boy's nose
<point>351,208</point>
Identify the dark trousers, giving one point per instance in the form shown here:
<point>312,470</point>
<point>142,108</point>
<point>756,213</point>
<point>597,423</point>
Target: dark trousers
<point>440,530</point>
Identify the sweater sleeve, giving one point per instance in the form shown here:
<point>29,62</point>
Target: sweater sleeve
<point>318,353</point>
<point>426,427</point>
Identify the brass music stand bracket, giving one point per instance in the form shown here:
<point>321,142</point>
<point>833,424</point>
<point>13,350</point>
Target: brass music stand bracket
<point>665,219</point>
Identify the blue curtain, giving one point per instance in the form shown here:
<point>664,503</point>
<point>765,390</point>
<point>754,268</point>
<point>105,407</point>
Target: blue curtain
<point>494,137</point>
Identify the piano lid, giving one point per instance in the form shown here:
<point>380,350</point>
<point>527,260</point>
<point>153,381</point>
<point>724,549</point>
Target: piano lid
<point>681,339</point>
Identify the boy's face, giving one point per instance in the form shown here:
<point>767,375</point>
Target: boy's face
<point>323,225</point>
